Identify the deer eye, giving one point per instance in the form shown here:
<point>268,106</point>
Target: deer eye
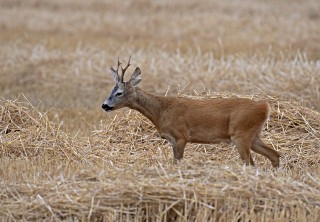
<point>119,94</point>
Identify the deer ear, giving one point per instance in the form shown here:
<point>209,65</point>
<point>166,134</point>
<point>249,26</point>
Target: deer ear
<point>115,75</point>
<point>136,77</point>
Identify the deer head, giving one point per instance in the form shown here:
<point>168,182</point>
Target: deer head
<point>123,92</point>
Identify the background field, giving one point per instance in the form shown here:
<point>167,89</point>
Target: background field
<point>64,158</point>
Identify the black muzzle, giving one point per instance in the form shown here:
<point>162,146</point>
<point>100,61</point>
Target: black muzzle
<point>106,107</point>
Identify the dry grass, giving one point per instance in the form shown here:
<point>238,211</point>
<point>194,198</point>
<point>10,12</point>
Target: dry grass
<point>77,82</point>
<point>64,159</point>
<point>123,171</point>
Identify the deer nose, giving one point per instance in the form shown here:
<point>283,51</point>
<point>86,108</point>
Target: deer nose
<point>106,107</point>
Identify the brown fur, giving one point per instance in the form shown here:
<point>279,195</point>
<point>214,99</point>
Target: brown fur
<point>182,120</point>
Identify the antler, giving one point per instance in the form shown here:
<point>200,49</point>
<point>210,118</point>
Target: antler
<point>125,69</point>
<point>116,71</point>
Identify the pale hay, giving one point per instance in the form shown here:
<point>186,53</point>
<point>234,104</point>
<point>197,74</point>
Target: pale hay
<point>58,52</point>
<point>123,171</point>
<point>27,132</point>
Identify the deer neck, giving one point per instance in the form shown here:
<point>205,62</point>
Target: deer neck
<point>147,104</point>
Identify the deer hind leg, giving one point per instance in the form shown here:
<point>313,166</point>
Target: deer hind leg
<point>260,147</point>
<point>243,144</point>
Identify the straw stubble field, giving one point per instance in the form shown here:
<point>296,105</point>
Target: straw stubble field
<point>64,159</point>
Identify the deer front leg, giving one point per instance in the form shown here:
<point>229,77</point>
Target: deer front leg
<point>178,146</point>
<point>178,150</point>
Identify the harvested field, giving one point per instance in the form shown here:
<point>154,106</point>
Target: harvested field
<point>123,171</point>
<point>64,159</point>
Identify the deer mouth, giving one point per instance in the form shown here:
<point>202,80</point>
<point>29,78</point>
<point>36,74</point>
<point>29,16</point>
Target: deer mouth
<point>107,108</point>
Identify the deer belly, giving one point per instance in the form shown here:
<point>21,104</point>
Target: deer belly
<point>207,136</point>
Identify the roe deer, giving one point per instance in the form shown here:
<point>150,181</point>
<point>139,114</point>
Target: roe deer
<point>182,120</point>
